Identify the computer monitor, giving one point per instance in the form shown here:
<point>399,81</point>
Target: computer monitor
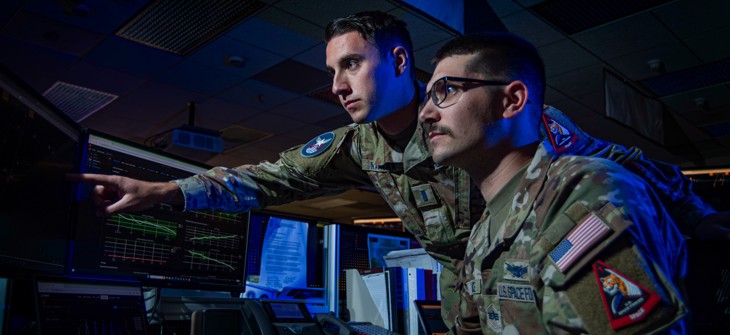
<point>161,246</point>
<point>285,257</point>
<point>83,306</point>
<point>38,146</point>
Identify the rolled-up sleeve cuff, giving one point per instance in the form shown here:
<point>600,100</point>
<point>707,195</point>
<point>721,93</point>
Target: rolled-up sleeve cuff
<point>193,190</point>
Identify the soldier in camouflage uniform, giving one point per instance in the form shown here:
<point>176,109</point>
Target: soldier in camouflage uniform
<point>438,204</point>
<point>566,244</point>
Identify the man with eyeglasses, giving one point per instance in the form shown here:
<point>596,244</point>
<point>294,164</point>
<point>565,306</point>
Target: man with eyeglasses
<point>370,57</point>
<point>566,244</point>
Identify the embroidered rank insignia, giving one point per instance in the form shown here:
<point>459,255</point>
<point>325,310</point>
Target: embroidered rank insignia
<point>516,270</point>
<point>588,232</point>
<point>515,292</point>
<point>626,302</point>
<point>318,145</point>
<point>494,319</point>
<point>560,137</point>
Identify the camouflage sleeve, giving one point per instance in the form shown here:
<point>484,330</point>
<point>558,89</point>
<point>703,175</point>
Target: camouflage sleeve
<point>615,260</point>
<point>323,166</point>
<point>670,184</point>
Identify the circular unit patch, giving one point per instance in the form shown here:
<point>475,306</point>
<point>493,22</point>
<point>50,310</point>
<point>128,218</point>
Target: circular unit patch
<point>318,145</point>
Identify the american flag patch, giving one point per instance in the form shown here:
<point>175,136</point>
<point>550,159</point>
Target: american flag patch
<point>588,233</point>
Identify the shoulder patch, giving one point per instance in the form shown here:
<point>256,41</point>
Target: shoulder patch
<point>626,302</point>
<point>318,145</point>
<point>589,231</point>
<point>560,137</point>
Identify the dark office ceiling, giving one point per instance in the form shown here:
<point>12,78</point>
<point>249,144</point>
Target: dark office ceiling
<point>256,70</point>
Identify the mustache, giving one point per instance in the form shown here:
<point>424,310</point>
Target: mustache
<point>439,129</point>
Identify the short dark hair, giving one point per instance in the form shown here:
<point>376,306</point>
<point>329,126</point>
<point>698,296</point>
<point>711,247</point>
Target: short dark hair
<point>500,56</point>
<point>380,29</point>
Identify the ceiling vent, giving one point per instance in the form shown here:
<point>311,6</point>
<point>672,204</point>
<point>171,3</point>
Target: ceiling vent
<point>573,16</point>
<point>690,79</point>
<point>77,102</point>
<point>181,26</point>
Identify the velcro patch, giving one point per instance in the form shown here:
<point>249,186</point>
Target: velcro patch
<point>424,195</point>
<point>473,286</point>
<point>494,319</point>
<point>560,137</point>
<point>517,271</point>
<point>626,302</point>
<point>318,145</point>
<point>589,231</point>
<point>516,292</point>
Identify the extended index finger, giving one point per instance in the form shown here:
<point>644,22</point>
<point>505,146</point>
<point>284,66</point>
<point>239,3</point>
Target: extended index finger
<point>90,178</point>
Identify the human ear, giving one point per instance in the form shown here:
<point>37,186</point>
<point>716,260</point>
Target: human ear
<point>401,60</point>
<point>515,98</point>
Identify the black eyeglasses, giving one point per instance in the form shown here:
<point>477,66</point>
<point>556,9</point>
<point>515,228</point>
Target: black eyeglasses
<point>440,91</point>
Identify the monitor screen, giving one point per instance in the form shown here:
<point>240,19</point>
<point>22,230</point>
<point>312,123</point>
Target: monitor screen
<point>161,246</point>
<point>74,306</point>
<point>285,253</point>
<point>38,146</point>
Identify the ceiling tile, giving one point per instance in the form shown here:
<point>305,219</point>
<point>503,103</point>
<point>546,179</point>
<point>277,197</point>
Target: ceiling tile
<point>423,32</point>
<point>424,55</point>
<point>295,76</point>
<point>308,110</point>
<point>294,23</point>
<point>712,45</point>
<point>336,121</point>
<point>323,11</point>
<point>276,143</point>
<point>674,55</point>
<point>104,17</point>
<point>51,34</point>
<point>716,97</point>
<point>40,68</point>
<point>625,36</point>
<point>533,29</point>
<point>120,126</point>
<point>687,18</point>
<point>257,94</point>
<point>552,95</point>
<point>594,101</point>
<point>131,57</point>
<point>199,78</point>
<point>503,8</point>
<point>314,56</point>
<point>273,123</point>
<point>305,134</point>
<point>271,37</point>
<point>565,56</point>
<point>216,113</point>
<point>164,108</point>
<point>255,59</point>
<point>103,79</point>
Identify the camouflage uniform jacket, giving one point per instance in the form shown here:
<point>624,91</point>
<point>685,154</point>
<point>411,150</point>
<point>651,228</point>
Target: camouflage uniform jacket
<point>433,202</point>
<point>585,248</point>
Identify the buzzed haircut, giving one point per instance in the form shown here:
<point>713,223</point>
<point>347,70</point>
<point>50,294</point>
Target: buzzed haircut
<point>380,29</point>
<point>499,56</point>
